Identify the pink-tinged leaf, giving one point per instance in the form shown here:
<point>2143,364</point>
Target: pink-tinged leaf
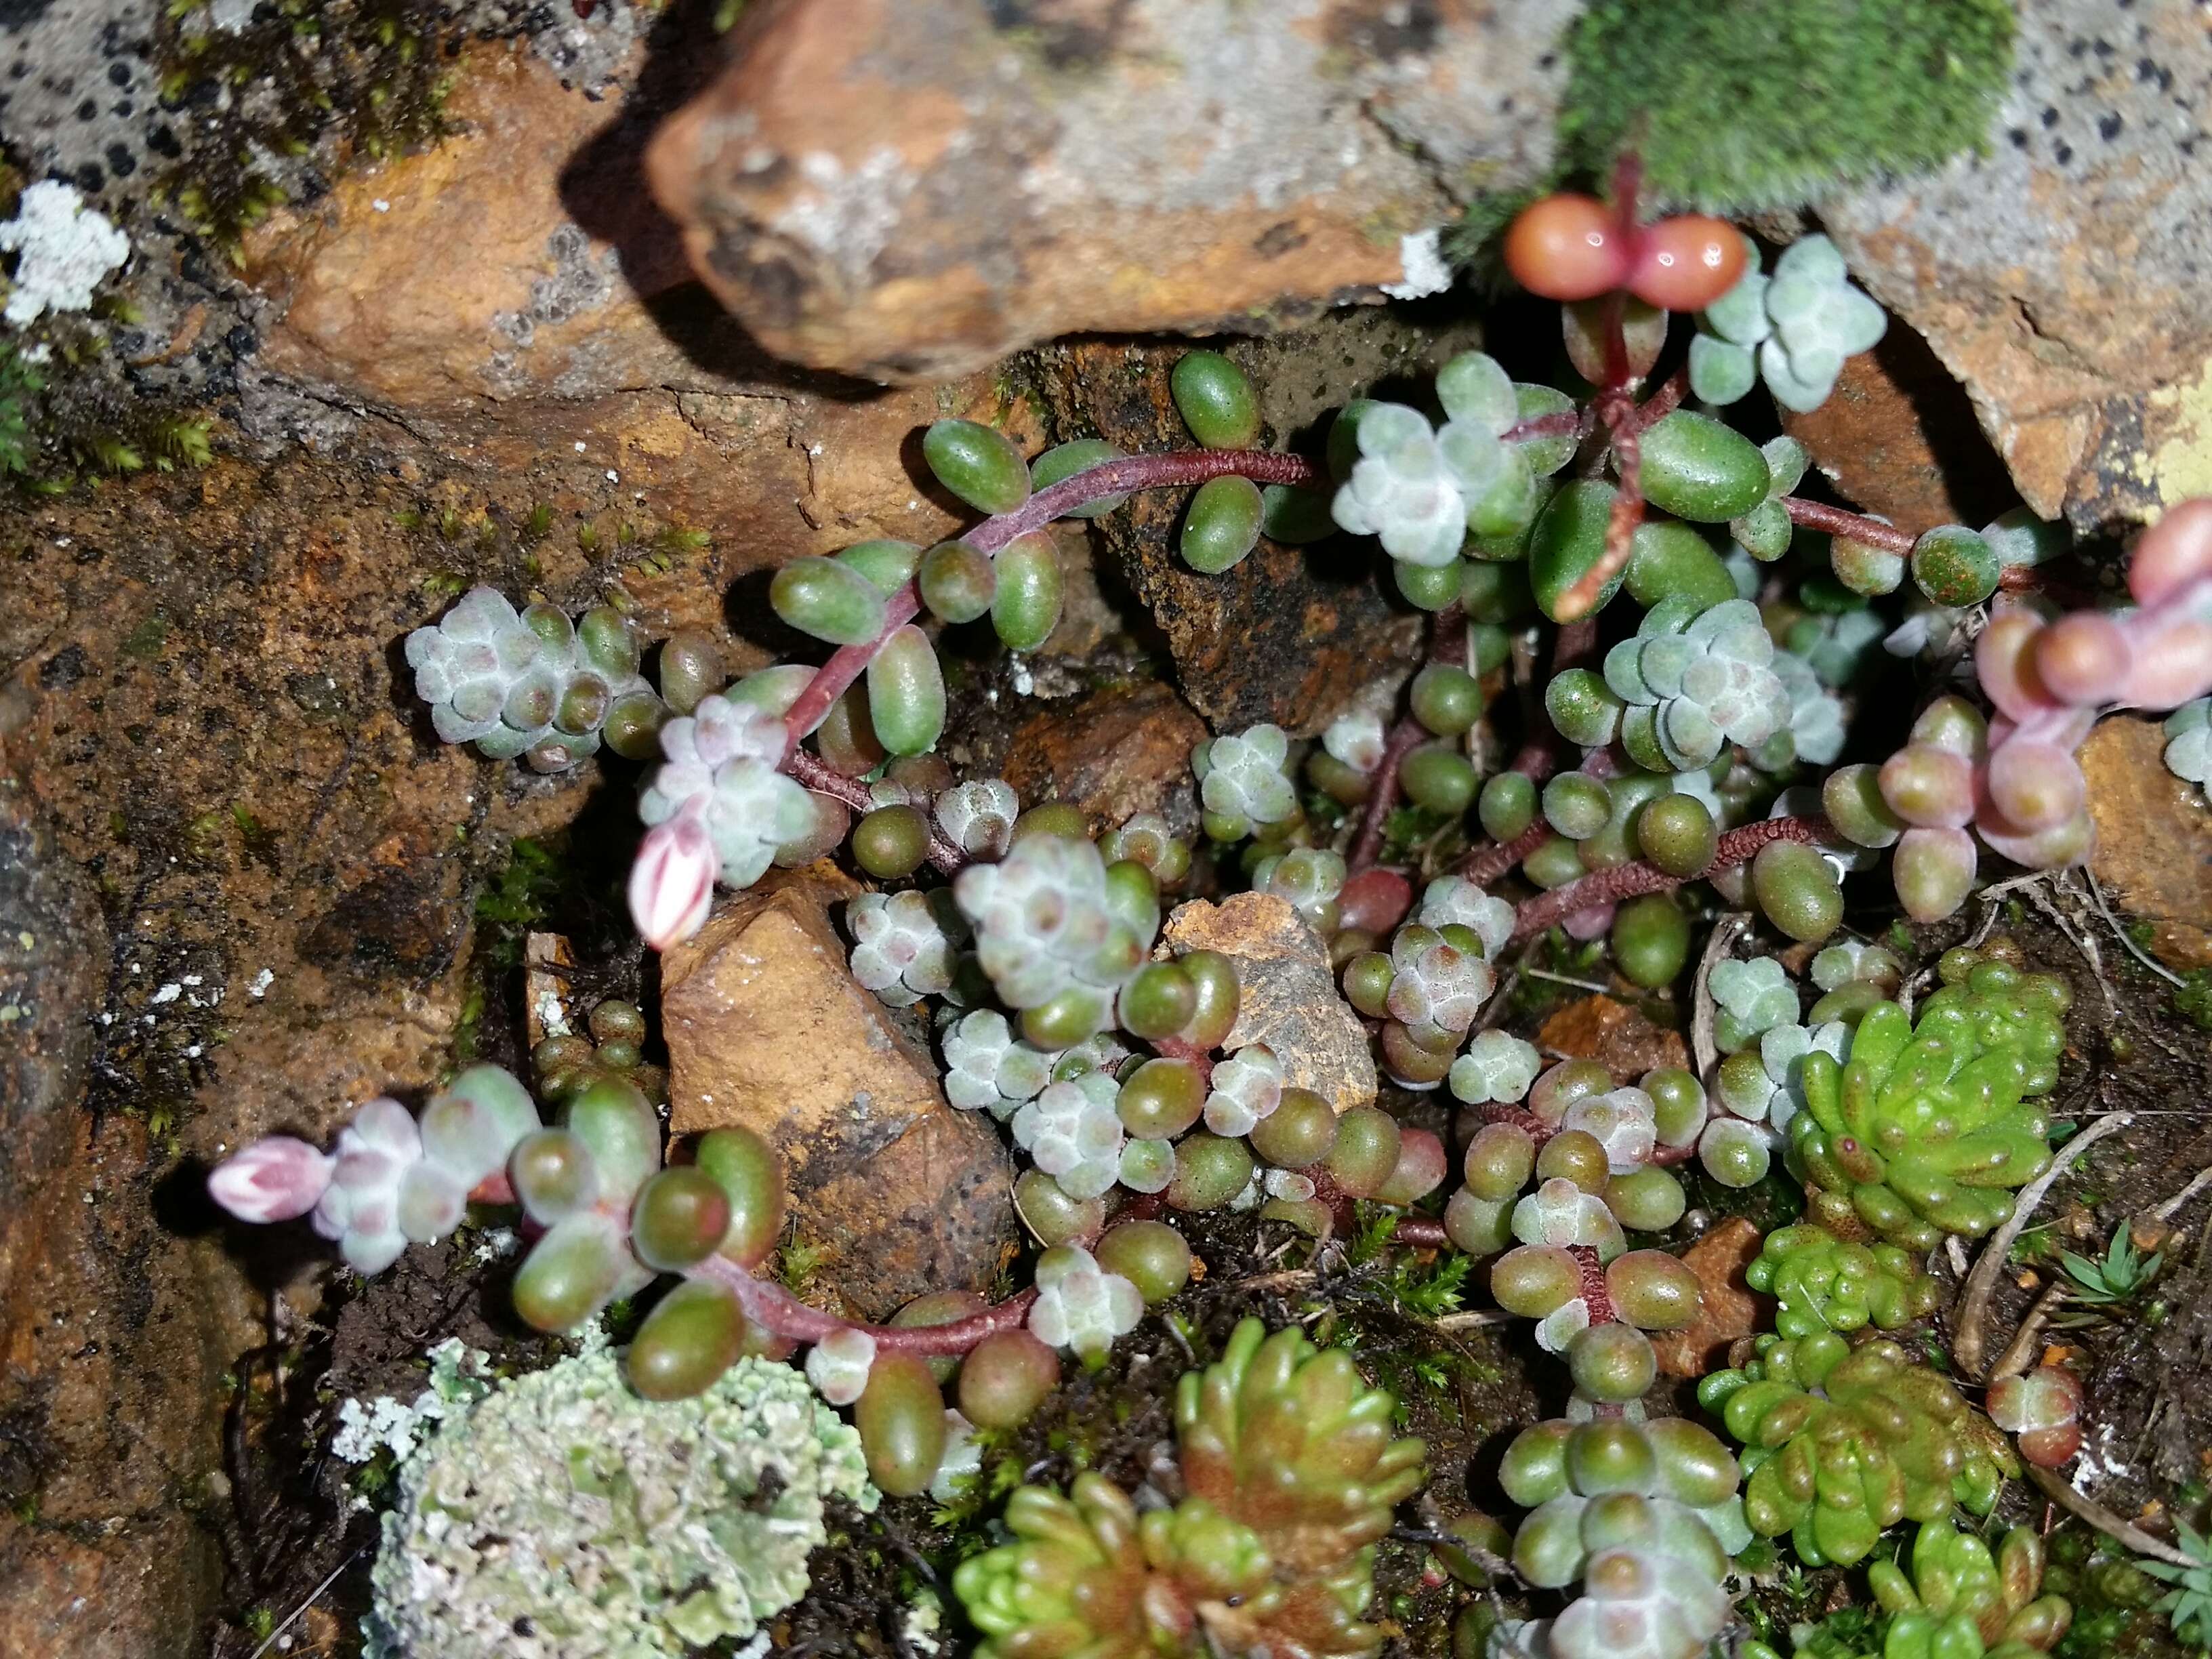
<point>2044,1408</point>
<point>2174,552</point>
<point>272,1180</point>
<point>1590,923</point>
<point>672,884</point>
<point>2082,658</point>
<point>2004,664</point>
<point>1375,901</point>
<point>2172,664</point>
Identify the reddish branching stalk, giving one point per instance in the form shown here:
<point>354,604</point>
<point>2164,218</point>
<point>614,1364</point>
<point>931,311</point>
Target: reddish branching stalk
<point>1595,1297</point>
<point>1487,863</point>
<point>1575,423</point>
<point>1132,473</point>
<point>1405,737</point>
<point>1447,645</point>
<point>818,777</point>
<point>777,1311</point>
<point>1628,881</point>
<point>1855,526</point>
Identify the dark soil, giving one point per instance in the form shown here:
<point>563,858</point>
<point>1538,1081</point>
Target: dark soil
<point>1465,1388</point>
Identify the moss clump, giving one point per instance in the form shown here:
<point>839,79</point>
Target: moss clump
<point>365,73</point>
<point>1738,105</point>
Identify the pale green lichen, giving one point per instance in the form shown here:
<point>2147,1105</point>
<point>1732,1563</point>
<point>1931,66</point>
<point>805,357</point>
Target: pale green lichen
<point>562,1516</point>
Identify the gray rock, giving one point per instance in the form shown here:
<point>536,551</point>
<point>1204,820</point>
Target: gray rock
<point>2066,278</point>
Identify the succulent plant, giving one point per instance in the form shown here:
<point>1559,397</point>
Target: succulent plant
<point>721,770</point>
<point>2042,1408</point>
<point>988,1068</point>
<point>1823,1283</point>
<point>1048,935</point>
<point>524,683</point>
<point>1695,679</point>
<point>1952,1599</point>
<point>2188,752</point>
<point>1075,1133</point>
<point>1801,320</point>
<point>906,946</point>
<point>1645,1514</point>
<point>1291,1474</point>
<point>1760,1090</point>
<point>1928,1126</point>
<point>1844,1441</point>
<point>1242,782</point>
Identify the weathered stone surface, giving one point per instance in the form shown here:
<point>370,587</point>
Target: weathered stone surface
<point>767,1029</point>
<point>2066,278</point>
<point>1289,999</point>
<point>910,190</point>
<point>1117,752</point>
<point>112,1337</point>
<point>1289,634</point>
<point>1616,1035</point>
<point>1730,1310</point>
<point>1897,438</point>
<point>2154,852</point>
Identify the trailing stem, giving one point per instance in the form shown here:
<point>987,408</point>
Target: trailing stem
<point>776,1310</point>
<point>821,779</point>
<point>1628,881</point>
<point>1131,472</point>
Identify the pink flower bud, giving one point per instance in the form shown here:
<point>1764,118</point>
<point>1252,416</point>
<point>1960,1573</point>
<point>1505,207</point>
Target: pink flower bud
<point>2082,658</point>
<point>672,882</point>
<point>2174,552</point>
<point>273,1180</point>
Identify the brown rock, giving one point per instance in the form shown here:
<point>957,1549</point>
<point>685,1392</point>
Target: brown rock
<point>1730,1308</point>
<point>1289,999</point>
<point>2153,851</point>
<point>2061,277</point>
<point>1897,438</point>
<point>1119,751</point>
<point>767,1029</point>
<point>1289,634</point>
<point>910,190</point>
<point>1616,1035</point>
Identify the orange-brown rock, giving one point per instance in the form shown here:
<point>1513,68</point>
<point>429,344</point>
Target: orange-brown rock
<point>1896,437</point>
<point>1615,1034</point>
<point>2060,276</point>
<point>1730,1310</point>
<point>1116,752</point>
<point>1290,1001</point>
<point>767,1029</point>
<point>910,189</point>
<point>2154,852</point>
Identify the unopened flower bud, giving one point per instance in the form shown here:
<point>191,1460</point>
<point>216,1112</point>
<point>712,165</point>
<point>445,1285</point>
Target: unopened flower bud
<point>672,882</point>
<point>274,1179</point>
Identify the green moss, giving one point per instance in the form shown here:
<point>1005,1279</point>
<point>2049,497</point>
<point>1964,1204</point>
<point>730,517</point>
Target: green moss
<point>1736,106</point>
<point>365,73</point>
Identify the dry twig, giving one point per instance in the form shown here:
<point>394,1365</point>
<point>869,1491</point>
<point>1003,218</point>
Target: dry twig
<point>1974,1302</point>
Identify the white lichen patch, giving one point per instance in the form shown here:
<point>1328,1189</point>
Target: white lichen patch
<point>456,1382</point>
<point>64,250</point>
<point>562,1516</point>
<point>1421,253</point>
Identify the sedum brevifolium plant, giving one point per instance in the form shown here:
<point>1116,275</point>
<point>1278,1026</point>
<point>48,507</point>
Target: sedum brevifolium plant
<point>1690,634</point>
<point>1645,1514</point>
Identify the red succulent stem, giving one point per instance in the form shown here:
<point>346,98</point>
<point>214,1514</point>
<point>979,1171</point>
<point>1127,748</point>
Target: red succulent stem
<point>818,776</point>
<point>1575,423</point>
<point>776,1310</point>
<point>1629,881</point>
<point>1487,863</point>
<point>1131,472</point>
<point>1595,1297</point>
<point>1447,645</point>
<point>1834,521</point>
<point>1382,793</point>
